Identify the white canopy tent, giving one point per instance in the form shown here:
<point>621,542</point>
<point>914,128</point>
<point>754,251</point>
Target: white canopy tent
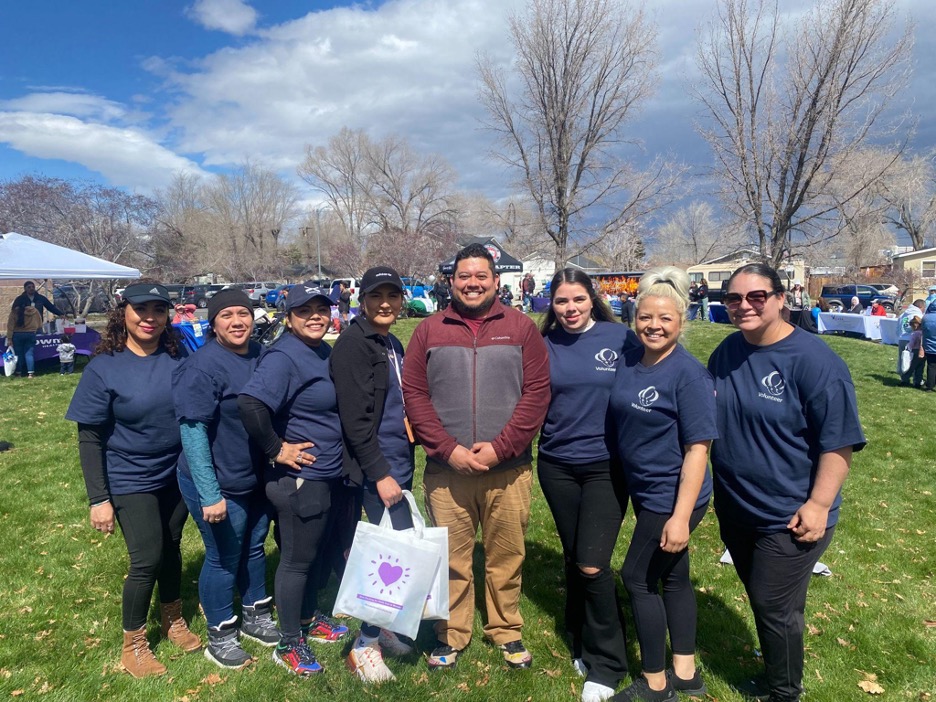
<point>24,257</point>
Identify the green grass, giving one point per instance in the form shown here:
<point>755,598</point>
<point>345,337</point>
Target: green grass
<point>60,580</point>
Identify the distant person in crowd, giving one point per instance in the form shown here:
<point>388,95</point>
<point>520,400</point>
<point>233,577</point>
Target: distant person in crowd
<point>693,310</point>
<point>184,313</point>
<point>66,353</point>
<point>505,296</point>
<point>662,411</point>
<point>344,304</point>
<point>528,288</point>
<point>442,292</point>
<point>220,473</point>
<point>797,298</point>
<point>30,298</point>
<point>929,345</point>
<point>366,368</point>
<point>914,372</point>
<point>628,309</point>
<point>23,325</point>
<point>914,310</point>
<point>477,429</point>
<point>787,425</point>
<point>877,309</point>
<point>930,295</point>
<point>855,307</point>
<point>290,411</point>
<point>129,446</point>
<point>702,293</point>
<point>584,489</point>
<point>820,305</point>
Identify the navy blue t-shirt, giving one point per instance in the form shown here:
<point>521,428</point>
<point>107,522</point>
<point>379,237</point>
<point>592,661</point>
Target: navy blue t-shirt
<point>132,397</point>
<point>391,434</point>
<point>655,412</point>
<point>205,389</point>
<point>779,407</point>
<point>581,373</point>
<point>292,379</point>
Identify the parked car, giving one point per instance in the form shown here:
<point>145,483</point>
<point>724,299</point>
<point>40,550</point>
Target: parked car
<point>888,289</point>
<point>72,298</point>
<point>197,295</point>
<point>839,297</point>
<point>258,290</point>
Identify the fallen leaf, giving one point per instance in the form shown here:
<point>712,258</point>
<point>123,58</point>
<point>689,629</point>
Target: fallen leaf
<point>463,687</point>
<point>16,693</point>
<point>871,687</point>
<point>929,623</point>
<point>212,679</point>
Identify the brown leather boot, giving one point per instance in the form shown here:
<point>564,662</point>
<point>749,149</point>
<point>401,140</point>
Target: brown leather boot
<point>175,629</point>
<point>137,658</point>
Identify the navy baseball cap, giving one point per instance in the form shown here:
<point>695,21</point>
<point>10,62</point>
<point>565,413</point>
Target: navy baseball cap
<point>303,292</point>
<point>138,293</point>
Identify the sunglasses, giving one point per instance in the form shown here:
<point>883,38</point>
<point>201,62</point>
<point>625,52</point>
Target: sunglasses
<point>756,299</point>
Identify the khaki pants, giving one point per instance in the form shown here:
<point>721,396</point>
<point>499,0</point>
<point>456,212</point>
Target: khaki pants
<point>498,501</point>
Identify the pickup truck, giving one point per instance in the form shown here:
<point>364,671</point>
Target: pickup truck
<point>838,297</point>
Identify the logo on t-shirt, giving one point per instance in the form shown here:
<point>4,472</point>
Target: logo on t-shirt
<point>774,384</point>
<point>646,397</point>
<point>608,360</point>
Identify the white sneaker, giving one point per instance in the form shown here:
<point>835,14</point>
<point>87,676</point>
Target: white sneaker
<point>392,645</point>
<point>367,663</point>
<point>595,692</point>
<point>579,666</point>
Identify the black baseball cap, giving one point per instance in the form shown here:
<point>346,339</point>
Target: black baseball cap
<point>374,277</point>
<point>138,293</point>
<point>303,292</point>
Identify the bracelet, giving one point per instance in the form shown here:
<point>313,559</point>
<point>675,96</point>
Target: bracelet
<point>102,502</point>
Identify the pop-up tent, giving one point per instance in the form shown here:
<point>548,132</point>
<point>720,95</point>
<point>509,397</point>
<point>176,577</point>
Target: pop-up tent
<point>503,261</point>
<point>24,257</point>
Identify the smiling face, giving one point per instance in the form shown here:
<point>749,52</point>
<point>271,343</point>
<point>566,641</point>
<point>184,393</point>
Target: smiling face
<point>382,306</point>
<point>658,324</point>
<point>754,319</point>
<point>474,287</point>
<point>572,306</point>
<point>232,327</point>
<point>145,323</point>
<point>310,321</point>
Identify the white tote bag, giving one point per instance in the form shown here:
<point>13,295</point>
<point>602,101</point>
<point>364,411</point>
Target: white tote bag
<point>9,361</point>
<point>389,574</point>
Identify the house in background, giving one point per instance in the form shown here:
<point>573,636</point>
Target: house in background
<point>921,264</point>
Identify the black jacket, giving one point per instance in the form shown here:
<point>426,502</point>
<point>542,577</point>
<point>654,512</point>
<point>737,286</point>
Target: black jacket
<point>360,371</point>
<point>40,302</point>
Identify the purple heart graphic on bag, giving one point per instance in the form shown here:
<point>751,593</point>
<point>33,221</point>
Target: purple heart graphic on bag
<point>389,574</point>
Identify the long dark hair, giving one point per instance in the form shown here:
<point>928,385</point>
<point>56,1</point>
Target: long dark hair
<point>20,315</point>
<point>601,312</point>
<point>114,337</point>
<point>764,271</point>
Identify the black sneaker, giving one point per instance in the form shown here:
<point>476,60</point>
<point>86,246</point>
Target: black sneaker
<point>754,689</point>
<point>258,623</point>
<point>694,686</point>
<point>516,655</point>
<point>224,649</point>
<point>443,657</point>
<point>639,691</point>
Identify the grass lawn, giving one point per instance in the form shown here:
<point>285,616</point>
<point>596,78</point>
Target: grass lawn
<point>872,620</point>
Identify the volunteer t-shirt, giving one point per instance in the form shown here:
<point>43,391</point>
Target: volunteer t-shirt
<point>656,411</point>
<point>292,379</point>
<point>581,370</point>
<point>205,389</point>
<point>132,397</point>
<point>391,434</point>
<point>779,407</point>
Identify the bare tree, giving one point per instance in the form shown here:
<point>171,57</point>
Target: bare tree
<point>693,235</point>
<point>621,249</point>
<point>583,68</point>
<point>784,111</point>
<point>909,189</point>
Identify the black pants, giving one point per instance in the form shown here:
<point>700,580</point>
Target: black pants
<point>400,517</point>
<point>646,567</point>
<point>588,504</point>
<point>302,514</point>
<point>151,523</point>
<point>775,570</point>
<point>930,370</point>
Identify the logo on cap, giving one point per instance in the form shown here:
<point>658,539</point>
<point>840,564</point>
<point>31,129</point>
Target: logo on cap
<point>155,291</point>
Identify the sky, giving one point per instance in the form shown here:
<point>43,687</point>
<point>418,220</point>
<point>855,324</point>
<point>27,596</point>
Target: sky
<point>129,93</point>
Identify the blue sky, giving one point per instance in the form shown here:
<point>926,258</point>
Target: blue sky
<point>128,92</point>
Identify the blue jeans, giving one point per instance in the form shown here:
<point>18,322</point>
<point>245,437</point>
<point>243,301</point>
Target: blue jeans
<point>23,345</point>
<point>234,555</point>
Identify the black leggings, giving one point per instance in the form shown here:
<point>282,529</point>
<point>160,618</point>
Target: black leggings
<point>588,502</point>
<point>302,515</point>
<point>646,565</point>
<point>151,523</point>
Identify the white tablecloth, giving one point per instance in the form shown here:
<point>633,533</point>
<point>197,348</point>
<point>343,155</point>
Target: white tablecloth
<point>868,326</point>
<point>890,333</point>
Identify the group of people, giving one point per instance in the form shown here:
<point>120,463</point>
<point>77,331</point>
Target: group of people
<point>916,345</point>
<point>320,433</point>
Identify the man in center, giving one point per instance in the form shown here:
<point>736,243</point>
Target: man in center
<point>476,389</point>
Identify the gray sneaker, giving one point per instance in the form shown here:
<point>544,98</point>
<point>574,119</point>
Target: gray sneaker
<point>224,649</point>
<point>258,623</point>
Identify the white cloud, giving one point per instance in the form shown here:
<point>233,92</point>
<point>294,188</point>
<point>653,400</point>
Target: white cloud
<point>231,16</point>
<point>75,104</point>
<point>126,157</point>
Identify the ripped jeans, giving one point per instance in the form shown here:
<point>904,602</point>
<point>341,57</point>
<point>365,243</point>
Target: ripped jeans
<point>588,502</point>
